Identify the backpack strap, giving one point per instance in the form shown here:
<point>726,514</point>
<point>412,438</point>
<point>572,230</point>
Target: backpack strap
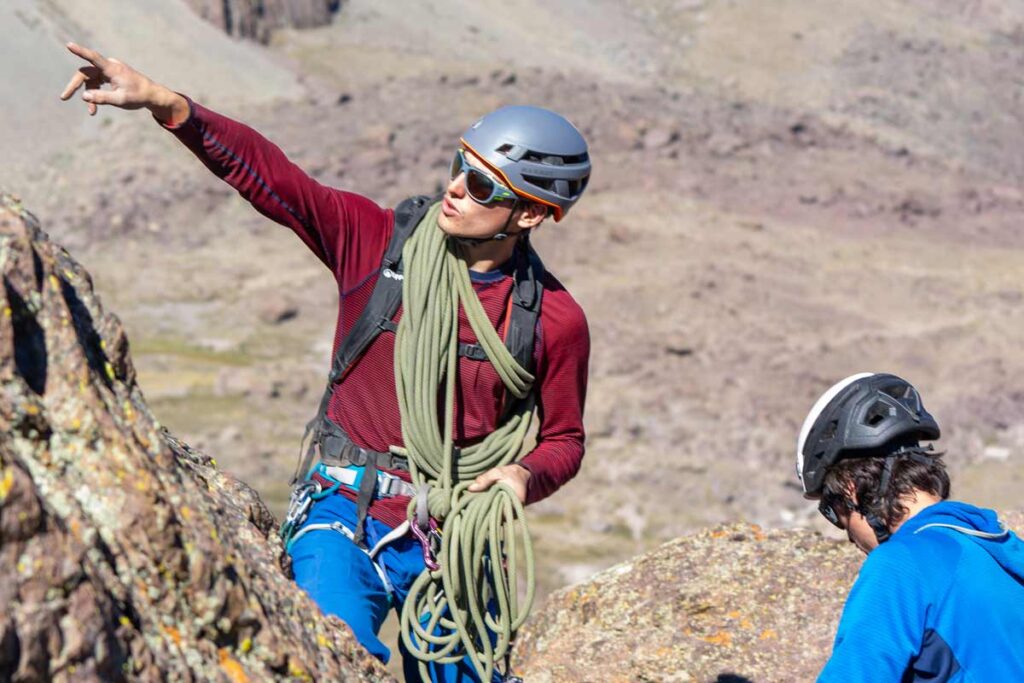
<point>522,325</point>
<point>526,297</point>
<point>387,292</point>
<point>527,293</point>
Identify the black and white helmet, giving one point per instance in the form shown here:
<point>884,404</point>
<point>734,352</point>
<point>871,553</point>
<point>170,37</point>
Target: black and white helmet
<point>536,152</point>
<point>864,415</point>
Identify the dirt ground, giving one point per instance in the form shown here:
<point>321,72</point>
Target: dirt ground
<point>783,195</point>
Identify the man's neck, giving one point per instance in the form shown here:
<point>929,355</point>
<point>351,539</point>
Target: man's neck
<point>490,255</point>
<point>915,502</point>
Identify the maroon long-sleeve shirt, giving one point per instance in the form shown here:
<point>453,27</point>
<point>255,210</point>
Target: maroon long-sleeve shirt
<point>349,234</point>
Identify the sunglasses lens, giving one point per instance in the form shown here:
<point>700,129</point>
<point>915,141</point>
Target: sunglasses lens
<point>456,168</point>
<point>479,186</point>
<point>825,508</point>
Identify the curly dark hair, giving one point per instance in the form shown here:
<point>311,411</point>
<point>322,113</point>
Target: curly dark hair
<point>863,475</point>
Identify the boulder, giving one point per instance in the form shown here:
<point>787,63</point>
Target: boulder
<point>735,603</point>
<point>125,554</point>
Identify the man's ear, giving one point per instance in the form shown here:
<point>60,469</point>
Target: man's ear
<point>532,215</point>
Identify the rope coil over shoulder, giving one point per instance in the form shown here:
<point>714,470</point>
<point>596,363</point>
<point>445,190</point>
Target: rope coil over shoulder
<point>473,596</point>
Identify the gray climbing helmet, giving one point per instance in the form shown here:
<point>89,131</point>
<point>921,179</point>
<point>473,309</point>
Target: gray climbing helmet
<point>536,152</point>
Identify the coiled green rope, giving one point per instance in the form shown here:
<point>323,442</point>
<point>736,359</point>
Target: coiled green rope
<point>470,606</point>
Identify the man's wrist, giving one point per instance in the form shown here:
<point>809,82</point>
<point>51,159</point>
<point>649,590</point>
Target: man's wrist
<point>168,107</point>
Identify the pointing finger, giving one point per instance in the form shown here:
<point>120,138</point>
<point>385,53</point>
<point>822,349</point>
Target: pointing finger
<point>74,84</point>
<point>83,75</point>
<point>89,55</point>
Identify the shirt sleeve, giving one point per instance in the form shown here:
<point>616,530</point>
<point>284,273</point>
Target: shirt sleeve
<point>883,622</point>
<point>562,387</point>
<point>326,219</point>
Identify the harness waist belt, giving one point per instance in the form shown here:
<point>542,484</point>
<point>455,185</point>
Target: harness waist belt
<point>388,485</point>
<point>337,448</point>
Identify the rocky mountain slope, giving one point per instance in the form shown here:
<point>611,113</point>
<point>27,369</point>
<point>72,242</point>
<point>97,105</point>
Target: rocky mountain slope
<point>783,195</point>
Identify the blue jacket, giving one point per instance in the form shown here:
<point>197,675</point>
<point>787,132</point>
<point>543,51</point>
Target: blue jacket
<point>941,600</point>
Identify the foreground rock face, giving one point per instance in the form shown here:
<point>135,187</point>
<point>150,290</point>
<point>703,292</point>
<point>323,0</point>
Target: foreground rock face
<point>124,555</point>
<point>731,604</point>
<point>256,19</point>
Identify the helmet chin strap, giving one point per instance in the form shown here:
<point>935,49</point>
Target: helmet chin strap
<point>880,528</point>
<point>499,236</point>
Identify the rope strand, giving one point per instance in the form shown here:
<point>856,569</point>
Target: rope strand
<point>473,598</point>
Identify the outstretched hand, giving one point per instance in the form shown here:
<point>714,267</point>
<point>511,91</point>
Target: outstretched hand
<point>515,476</point>
<point>128,89</point>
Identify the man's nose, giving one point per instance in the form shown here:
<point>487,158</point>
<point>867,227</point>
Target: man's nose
<point>457,185</point>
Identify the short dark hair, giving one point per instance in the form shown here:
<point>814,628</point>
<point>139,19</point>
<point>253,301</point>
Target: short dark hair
<point>863,475</point>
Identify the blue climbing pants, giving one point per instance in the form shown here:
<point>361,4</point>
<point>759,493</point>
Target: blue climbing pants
<point>342,580</point>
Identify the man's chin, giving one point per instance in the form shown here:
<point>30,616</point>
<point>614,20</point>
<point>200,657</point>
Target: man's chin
<point>445,223</point>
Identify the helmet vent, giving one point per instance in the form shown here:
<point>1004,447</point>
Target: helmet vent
<point>554,159</point>
<point>900,392</point>
<point>564,188</point>
<point>877,414</point>
<point>830,430</point>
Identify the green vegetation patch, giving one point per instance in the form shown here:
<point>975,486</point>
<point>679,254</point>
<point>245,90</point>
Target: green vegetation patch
<point>190,351</point>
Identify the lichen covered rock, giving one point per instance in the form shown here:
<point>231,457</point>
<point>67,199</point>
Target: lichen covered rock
<point>124,554</point>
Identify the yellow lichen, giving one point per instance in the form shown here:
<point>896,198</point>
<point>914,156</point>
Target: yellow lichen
<point>186,512</point>
<point>125,621</point>
<point>768,634</point>
<point>723,638</point>
<point>245,645</point>
<point>296,671</point>
<point>6,483</point>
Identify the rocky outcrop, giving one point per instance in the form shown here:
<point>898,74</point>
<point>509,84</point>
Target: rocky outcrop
<point>124,554</point>
<point>731,604</point>
<point>257,19</point>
